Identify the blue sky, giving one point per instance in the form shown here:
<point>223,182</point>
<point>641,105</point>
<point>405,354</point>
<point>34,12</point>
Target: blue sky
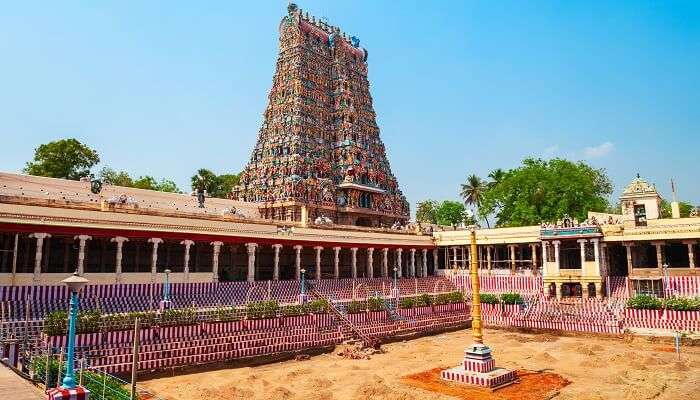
<point>164,88</point>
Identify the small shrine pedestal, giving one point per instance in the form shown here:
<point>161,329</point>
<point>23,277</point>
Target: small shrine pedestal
<point>479,369</point>
<point>77,393</point>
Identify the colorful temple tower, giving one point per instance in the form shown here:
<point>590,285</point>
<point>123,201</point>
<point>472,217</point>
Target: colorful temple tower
<point>319,155</point>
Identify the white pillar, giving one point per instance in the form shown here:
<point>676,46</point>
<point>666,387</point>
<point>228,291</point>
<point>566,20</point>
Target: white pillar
<point>318,261</point>
<point>38,254</point>
<point>119,240</point>
<point>582,245</point>
<point>276,262</point>
<point>628,249</point>
<point>215,261</point>
<point>691,252</point>
<point>385,262</point>
<point>398,261</point>
<point>412,267</point>
<point>545,245</point>
<point>435,261</point>
<point>596,256</point>
<point>186,264</point>
<point>659,254</point>
<point>297,261</point>
<point>353,261</point>
<point>424,270</point>
<point>556,244</point>
<point>512,258</point>
<point>336,262</point>
<point>81,252</point>
<point>251,260</point>
<point>370,262</point>
<point>533,250</point>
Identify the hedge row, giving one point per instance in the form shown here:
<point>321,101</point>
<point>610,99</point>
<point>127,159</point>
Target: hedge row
<point>646,302</point>
<point>505,298</point>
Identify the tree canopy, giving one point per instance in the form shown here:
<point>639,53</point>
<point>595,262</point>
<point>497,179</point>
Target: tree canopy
<point>216,185</point>
<point>451,213</point>
<point>426,212</point>
<point>684,207</point>
<point>122,178</point>
<point>66,158</point>
<point>546,190</point>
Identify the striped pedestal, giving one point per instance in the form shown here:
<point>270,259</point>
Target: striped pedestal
<point>479,369</point>
<point>77,393</point>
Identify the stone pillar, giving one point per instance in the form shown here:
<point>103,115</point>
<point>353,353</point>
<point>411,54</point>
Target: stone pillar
<point>596,256</point>
<point>385,262</point>
<point>628,247</point>
<point>276,262</point>
<point>119,240</point>
<point>454,259</point>
<point>412,267</point>
<point>251,247</point>
<point>353,262</point>
<point>424,270</point>
<point>297,261</point>
<point>511,249</point>
<point>598,290</point>
<point>38,254</point>
<point>398,260</point>
<point>435,261</point>
<point>81,252</point>
<point>318,261</point>
<point>186,263</point>
<point>533,250</point>
<point>582,245</point>
<point>336,263</point>
<point>545,246</point>
<point>659,254</point>
<point>215,261</point>
<point>691,252</point>
<point>584,290</point>
<point>558,288</point>
<point>370,262</point>
<point>556,244</point>
<point>604,259</point>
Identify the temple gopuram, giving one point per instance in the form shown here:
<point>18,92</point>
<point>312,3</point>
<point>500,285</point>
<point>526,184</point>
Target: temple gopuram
<point>319,156</point>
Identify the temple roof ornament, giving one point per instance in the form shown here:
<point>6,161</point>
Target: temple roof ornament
<point>638,187</point>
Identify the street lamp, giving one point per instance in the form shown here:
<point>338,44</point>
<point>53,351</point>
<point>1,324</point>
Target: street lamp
<point>166,286</point>
<point>302,296</point>
<point>667,279</point>
<point>74,283</point>
<point>395,273</point>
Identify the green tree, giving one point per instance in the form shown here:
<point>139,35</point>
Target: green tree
<point>684,207</point>
<point>146,182</point>
<point>451,213</point>
<point>426,212</point>
<point>116,178</point>
<point>540,190</point>
<point>166,185</point>
<point>66,158</point>
<point>495,177</point>
<point>215,185</point>
<point>473,191</point>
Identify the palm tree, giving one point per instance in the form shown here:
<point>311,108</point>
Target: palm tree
<point>496,176</point>
<point>473,192</point>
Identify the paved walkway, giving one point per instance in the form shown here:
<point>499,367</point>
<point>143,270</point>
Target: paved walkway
<point>14,387</point>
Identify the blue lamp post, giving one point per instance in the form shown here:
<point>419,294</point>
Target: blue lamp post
<point>303,284</point>
<point>396,287</point>
<point>166,286</point>
<point>74,283</point>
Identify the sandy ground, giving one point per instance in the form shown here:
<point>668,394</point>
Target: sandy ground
<point>598,368</point>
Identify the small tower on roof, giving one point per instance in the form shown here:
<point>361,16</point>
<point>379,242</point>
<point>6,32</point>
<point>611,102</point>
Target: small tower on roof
<point>641,201</point>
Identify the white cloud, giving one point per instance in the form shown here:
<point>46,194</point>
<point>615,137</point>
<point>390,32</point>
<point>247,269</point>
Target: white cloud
<point>601,150</point>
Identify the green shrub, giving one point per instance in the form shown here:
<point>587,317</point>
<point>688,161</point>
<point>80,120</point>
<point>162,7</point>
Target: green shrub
<point>375,304</point>
<point>262,309</point>
<point>319,306</point>
<point>183,316</point>
<point>455,297</point>
<point>682,304</point>
<point>95,383</point>
<point>226,314</point>
<point>487,298</point>
<point>407,302</point>
<point>442,298</point>
<point>424,300</point>
<point>644,302</point>
<point>511,298</point>
<point>56,322</point>
<point>355,307</point>
<point>293,310</point>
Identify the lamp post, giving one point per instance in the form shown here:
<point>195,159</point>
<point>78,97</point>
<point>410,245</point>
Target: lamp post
<point>166,286</point>
<point>667,280</point>
<point>302,296</point>
<point>74,283</point>
<point>395,290</point>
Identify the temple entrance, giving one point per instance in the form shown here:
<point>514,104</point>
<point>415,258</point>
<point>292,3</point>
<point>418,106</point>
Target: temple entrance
<point>571,290</point>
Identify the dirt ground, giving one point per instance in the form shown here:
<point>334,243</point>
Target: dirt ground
<point>597,368</point>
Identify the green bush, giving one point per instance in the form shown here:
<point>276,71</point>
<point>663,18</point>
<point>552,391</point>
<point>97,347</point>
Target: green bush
<point>442,298</point>
<point>262,309</point>
<point>682,304</point>
<point>293,310</point>
<point>455,297</point>
<point>226,314</point>
<point>56,322</point>
<point>644,302</point>
<point>319,306</point>
<point>95,383</point>
<point>511,298</point>
<point>355,307</point>
<point>487,298</point>
<point>424,300</point>
<point>183,316</point>
<point>407,302</point>
<point>375,304</point>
